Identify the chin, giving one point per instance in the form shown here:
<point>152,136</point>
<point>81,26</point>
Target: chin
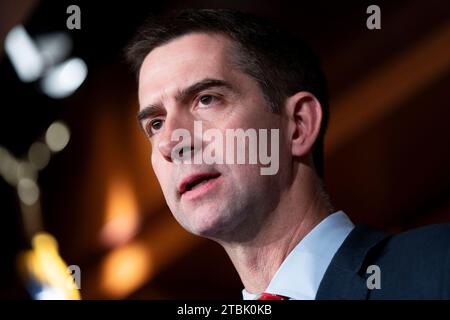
<point>208,223</point>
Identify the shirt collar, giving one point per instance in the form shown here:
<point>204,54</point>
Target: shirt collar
<point>300,274</point>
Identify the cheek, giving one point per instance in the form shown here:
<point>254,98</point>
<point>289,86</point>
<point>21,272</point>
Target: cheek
<point>153,158</point>
<point>157,165</point>
<point>246,177</point>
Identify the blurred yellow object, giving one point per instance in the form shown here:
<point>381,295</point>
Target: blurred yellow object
<point>125,269</point>
<point>43,265</point>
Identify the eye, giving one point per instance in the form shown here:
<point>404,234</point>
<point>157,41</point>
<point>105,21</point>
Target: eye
<point>154,126</point>
<point>207,100</point>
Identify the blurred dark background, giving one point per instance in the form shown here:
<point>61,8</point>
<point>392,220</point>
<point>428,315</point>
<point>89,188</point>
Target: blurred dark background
<point>387,148</point>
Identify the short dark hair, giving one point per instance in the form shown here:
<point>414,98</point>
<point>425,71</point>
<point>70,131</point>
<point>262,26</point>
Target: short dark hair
<point>281,63</point>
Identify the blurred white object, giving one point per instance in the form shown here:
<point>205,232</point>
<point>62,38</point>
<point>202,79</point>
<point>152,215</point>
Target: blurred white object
<point>54,47</point>
<point>28,191</point>
<point>62,80</point>
<point>39,155</point>
<point>8,166</point>
<point>57,136</point>
<point>24,54</point>
<point>49,293</point>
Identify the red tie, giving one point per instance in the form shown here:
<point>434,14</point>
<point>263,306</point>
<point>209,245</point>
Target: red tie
<point>269,296</point>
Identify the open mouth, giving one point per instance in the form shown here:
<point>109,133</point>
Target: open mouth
<point>196,181</point>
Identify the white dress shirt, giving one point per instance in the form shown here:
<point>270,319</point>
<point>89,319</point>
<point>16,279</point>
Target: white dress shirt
<point>300,274</point>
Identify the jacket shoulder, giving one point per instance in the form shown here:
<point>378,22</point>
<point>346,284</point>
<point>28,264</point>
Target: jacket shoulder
<point>423,241</point>
<point>416,264</point>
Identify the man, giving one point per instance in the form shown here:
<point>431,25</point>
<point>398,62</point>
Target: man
<point>223,70</point>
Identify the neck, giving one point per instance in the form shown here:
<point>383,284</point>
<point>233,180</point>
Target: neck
<point>301,208</point>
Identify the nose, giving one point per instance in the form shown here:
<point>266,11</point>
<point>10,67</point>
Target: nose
<point>176,139</point>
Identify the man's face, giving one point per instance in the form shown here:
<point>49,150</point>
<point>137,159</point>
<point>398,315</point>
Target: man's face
<point>192,78</point>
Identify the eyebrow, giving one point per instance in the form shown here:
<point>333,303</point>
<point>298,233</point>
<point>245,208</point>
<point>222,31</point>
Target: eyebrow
<point>200,86</point>
<point>153,110</point>
<point>149,111</point>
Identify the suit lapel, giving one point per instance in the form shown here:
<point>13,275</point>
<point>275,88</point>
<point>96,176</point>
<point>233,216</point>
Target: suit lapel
<point>345,277</point>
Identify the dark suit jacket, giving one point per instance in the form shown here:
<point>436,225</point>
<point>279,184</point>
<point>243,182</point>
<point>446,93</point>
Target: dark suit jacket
<point>413,265</point>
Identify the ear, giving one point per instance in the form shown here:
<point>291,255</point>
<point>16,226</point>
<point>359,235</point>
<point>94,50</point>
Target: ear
<point>304,114</point>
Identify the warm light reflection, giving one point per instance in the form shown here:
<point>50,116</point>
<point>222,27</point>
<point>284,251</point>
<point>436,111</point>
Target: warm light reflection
<point>43,266</point>
<point>121,218</point>
<point>125,269</point>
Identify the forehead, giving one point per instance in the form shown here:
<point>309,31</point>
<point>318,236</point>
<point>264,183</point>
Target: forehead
<point>181,62</point>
